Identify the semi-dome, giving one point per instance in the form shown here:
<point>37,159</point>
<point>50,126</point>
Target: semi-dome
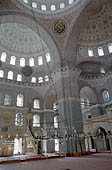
<point>19,39</point>
<point>91,68</point>
<point>22,50</point>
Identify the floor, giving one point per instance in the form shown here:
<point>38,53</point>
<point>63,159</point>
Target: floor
<point>99,161</point>
<point>29,156</point>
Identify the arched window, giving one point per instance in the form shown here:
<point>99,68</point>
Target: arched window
<point>90,52</point>
<point>3,56</point>
<point>102,71</point>
<point>10,75</point>
<point>43,7</point>
<point>8,99</point>
<point>55,121</point>
<point>33,79</point>
<point>40,60</point>
<point>13,60</point>
<point>100,51</point>
<point>31,62</point>
<point>19,119</point>
<point>53,7</point>
<point>36,104</point>
<point>82,103</point>
<point>55,106</point>
<point>62,5</point>
<point>34,4</point>
<point>40,79</point>
<point>110,47</point>
<point>36,121</point>
<point>87,102</point>
<point>19,77</point>
<point>46,78</point>
<point>106,96</point>
<point>26,1</point>
<point>48,58</point>
<point>20,100</point>
<point>1,73</point>
<point>70,2</point>
<point>22,62</point>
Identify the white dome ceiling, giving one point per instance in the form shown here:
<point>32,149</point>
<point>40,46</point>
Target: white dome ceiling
<point>19,39</point>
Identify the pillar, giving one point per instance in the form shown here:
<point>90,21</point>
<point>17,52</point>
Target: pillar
<point>70,116</point>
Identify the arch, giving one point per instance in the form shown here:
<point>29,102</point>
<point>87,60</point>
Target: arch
<point>88,96</point>
<point>84,84</point>
<point>12,60</point>
<point>33,79</point>
<point>40,80</point>
<point>104,97</point>
<point>19,77</point>
<point>3,56</point>
<point>36,104</point>
<point>28,20</point>
<point>48,57</point>
<point>10,75</point>
<point>31,62</point>
<point>102,141</point>
<point>110,47</point>
<point>40,60</point>
<point>36,121</point>
<point>50,98</point>
<point>100,51</point>
<point>20,100</point>
<point>22,62</point>
<point>90,52</point>
<point>100,131</point>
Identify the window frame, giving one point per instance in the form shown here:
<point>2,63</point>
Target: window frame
<point>90,52</point>
<point>31,62</point>
<point>36,104</point>
<point>6,103</point>
<point>33,80</point>
<point>110,48</point>
<point>100,51</point>
<point>1,73</point>
<point>10,75</point>
<point>18,77</point>
<point>19,121</point>
<point>21,103</point>
<point>36,123</point>
<point>13,60</point>
<point>3,56</point>
<point>107,97</point>
<point>22,64</point>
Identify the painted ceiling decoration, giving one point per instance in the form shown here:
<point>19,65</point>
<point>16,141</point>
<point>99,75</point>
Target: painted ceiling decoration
<point>60,26</point>
<point>99,25</point>
<point>20,39</point>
